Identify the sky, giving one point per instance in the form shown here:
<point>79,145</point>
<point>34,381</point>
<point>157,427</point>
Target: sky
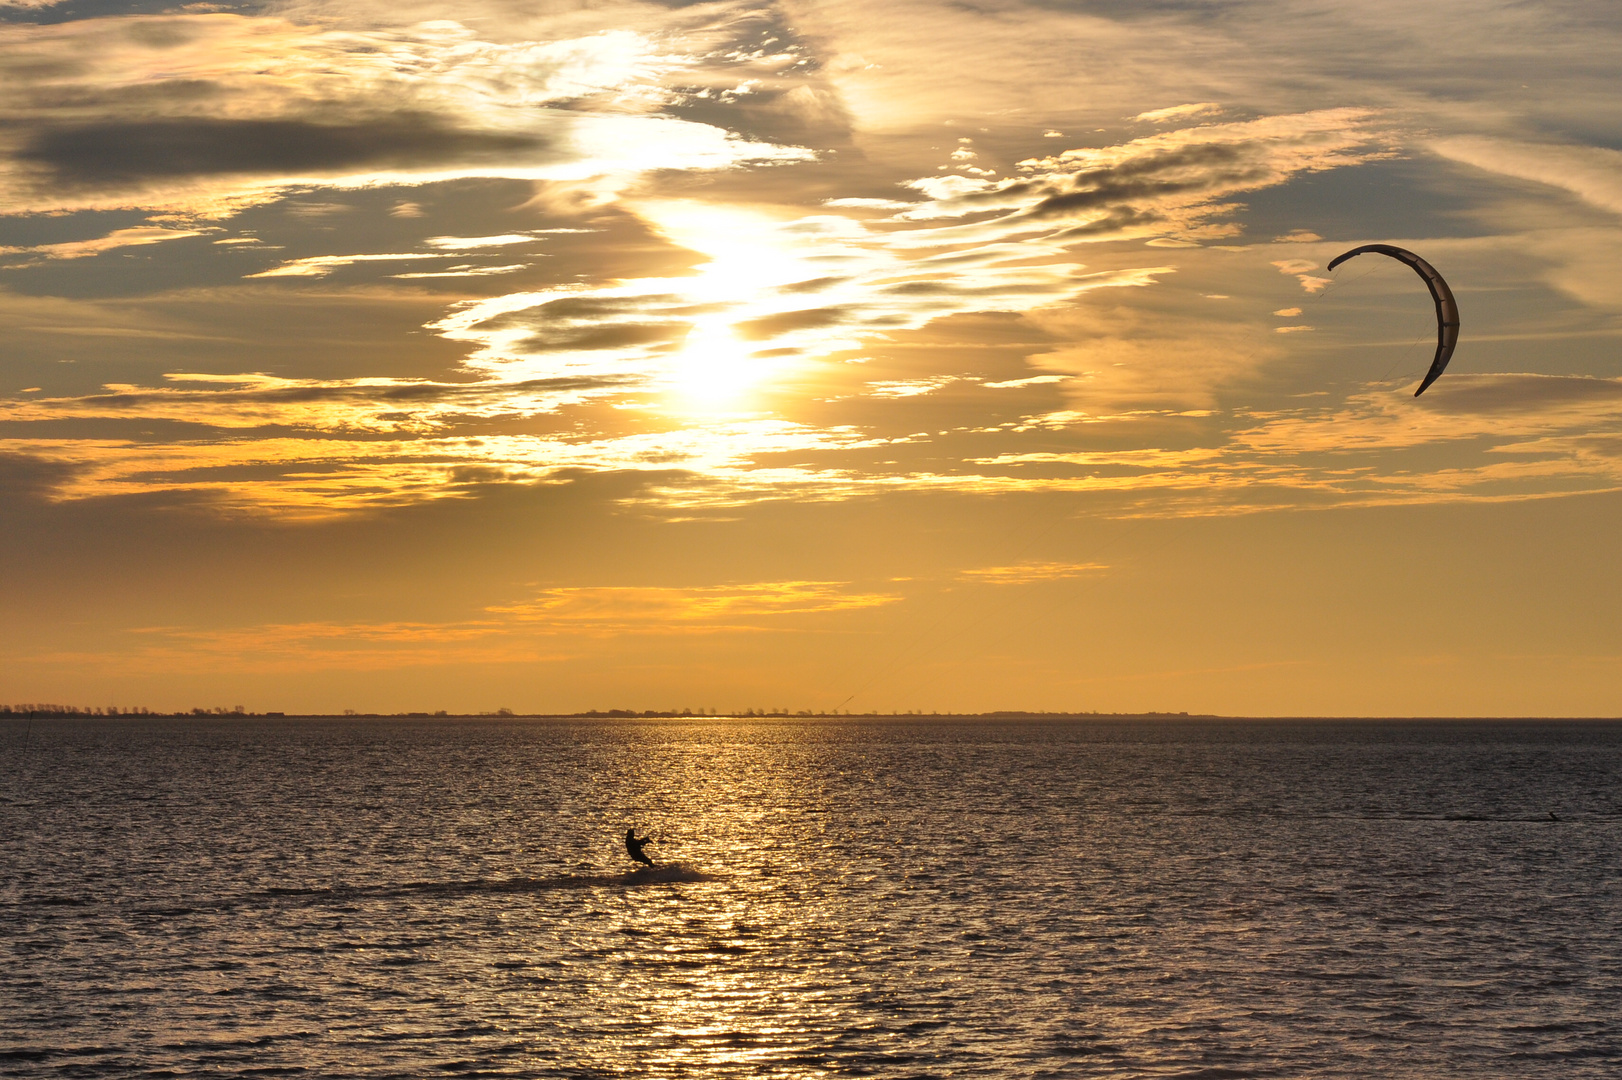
<point>811,355</point>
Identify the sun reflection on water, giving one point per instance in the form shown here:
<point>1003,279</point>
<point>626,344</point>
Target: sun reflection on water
<point>730,975</point>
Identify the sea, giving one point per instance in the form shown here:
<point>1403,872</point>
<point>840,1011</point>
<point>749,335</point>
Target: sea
<point>874,897</point>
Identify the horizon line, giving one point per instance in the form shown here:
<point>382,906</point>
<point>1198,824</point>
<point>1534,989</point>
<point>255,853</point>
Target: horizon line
<point>58,712</point>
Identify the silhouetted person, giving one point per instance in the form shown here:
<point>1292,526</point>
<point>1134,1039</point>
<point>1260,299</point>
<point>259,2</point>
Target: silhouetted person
<point>633,847</point>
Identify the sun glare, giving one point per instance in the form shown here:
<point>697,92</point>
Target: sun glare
<point>750,260</point>
<point>747,251</point>
<point>714,367</point>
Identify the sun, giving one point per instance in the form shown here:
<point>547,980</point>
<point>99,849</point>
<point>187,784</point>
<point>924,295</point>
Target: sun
<point>714,367</point>
<point>749,261</point>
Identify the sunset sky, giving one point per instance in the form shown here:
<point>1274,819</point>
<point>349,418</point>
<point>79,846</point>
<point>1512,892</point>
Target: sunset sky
<point>810,355</point>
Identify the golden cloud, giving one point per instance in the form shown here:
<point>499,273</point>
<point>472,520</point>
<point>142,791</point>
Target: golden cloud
<point>1178,112</point>
<point>200,114</point>
<point>138,236</point>
<point>708,609</point>
<point>1030,573</point>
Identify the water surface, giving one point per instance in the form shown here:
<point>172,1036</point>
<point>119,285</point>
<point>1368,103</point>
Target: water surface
<point>843,898</point>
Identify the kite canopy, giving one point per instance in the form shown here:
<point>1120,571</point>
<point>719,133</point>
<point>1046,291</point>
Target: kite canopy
<point>1447,309</point>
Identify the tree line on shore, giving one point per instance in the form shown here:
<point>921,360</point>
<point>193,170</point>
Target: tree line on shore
<point>67,712</point>
<point>42,711</point>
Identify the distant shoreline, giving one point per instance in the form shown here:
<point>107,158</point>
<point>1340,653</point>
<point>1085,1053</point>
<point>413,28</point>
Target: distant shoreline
<point>14,713</point>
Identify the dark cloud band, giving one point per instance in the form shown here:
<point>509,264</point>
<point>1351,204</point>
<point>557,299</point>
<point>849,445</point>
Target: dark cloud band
<point>123,152</point>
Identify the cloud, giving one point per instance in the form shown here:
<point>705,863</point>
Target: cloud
<point>1484,437</point>
<point>1300,270</point>
<point>1030,573</point>
<point>1491,437</point>
<point>767,327</point>
<point>1033,380</point>
<point>202,113</point>
<point>1592,173</point>
<point>138,236</point>
<point>1170,184</point>
<point>465,243</point>
<point>359,447</point>
<point>675,348</point>
<point>716,368</point>
<point>865,204</point>
<point>1576,400</point>
<point>903,388</point>
<point>463,271</point>
<point>333,406</point>
<point>746,302</point>
<point>617,610</point>
<point>128,152</point>
<point>25,477</point>
<point>1177,112</point>
<point>1122,359</point>
<point>322,265</point>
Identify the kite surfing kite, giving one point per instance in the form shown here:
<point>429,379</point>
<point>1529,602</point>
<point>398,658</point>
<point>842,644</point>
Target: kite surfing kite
<point>1447,309</point>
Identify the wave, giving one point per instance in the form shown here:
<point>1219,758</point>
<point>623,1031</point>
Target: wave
<point>667,874</point>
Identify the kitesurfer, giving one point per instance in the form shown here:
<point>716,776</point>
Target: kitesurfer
<point>633,847</point>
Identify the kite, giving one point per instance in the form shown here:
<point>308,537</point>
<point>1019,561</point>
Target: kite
<point>1447,309</point>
